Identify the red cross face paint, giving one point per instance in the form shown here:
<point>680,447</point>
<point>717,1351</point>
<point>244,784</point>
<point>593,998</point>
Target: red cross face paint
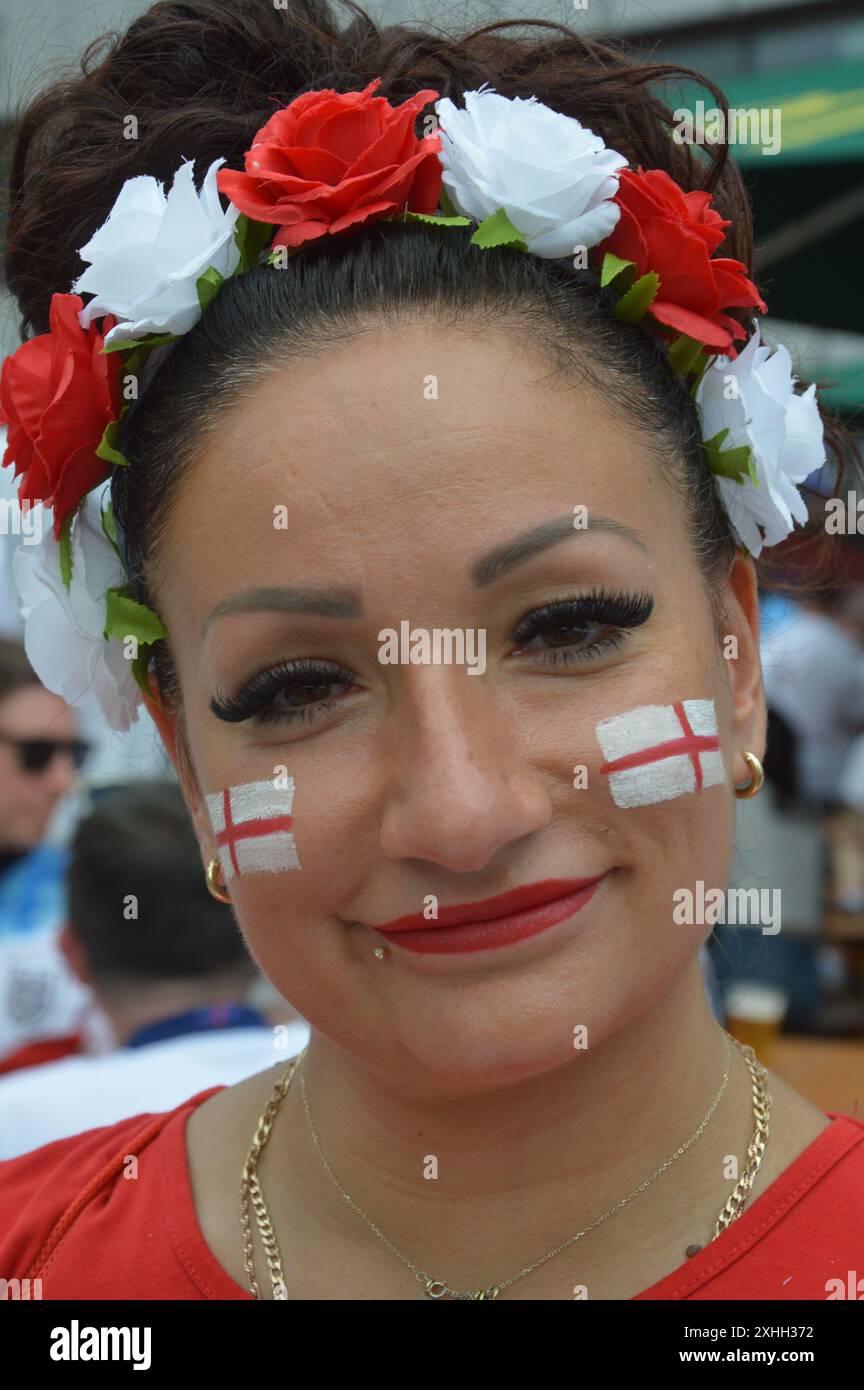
<point>253,825</point>
<point>657,752</point>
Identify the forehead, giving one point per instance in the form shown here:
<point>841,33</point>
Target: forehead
<point>406,444</point>
<point>31,711</point>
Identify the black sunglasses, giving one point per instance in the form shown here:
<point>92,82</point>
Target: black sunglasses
<point>34,754</point>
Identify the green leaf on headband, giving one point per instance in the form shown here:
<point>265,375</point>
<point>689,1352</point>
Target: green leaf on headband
<point>707,359</point>
<point>498,230</point>
<point>612,267</point>
<point>634,305</point>
<point>131,367</point>
<point>730,463</point>
<point>106,449</point>
<point>154,340</point>
<point>140,666</point>
<point>207,286</point>
<point>446,204</point>
<point>125,617</point>
<point>684,355</point>
<point>65,543</point>
<point>250,239</point>
<point>454,221</point>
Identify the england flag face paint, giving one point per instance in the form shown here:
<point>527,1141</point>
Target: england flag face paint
<point>657,752</point>
<point>254,825</point>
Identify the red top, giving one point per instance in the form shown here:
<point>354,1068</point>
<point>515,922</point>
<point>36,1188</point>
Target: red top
<point>66,1209</point>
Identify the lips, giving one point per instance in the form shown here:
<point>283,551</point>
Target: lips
<point>498,921</point>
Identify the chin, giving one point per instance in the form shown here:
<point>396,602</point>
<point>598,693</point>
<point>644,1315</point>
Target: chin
<point>474,1041</point>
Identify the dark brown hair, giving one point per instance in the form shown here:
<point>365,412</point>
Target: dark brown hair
<point>202,77</point>
<point>138,841</point>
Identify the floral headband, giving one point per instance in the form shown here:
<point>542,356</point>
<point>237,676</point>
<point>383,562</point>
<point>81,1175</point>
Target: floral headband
<point>530,178</point>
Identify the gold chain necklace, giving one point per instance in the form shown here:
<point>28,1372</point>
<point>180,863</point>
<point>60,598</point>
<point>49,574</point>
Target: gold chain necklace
<point>251,1191</point>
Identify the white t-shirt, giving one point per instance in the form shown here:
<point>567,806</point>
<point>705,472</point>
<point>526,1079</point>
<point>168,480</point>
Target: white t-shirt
<point>43,1103</point>
<point>40,998</point>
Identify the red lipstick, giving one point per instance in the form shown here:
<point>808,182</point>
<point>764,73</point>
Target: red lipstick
<point>513,916</point>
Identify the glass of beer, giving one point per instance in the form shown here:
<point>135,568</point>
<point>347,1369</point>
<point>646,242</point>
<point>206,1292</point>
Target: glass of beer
<point>754,1014</point>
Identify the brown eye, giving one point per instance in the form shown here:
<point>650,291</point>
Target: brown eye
<point>288,691</point>
<point>294,694</point>
<point>582,626</point>
<point>567,635</point>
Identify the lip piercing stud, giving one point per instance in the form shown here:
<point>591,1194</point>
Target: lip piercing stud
<point>380,952</point>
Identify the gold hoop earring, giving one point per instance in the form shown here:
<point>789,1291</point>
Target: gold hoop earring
<point>758,779</point>
<point>215,886</point>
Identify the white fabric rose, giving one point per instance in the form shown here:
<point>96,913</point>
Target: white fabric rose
<point>63,627</point>
<point>552,176</point>
<point>754,396</point>
<point>147,256</point>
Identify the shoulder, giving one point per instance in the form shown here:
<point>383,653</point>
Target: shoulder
<point>811,1151</point>
<point>812,1217</point>
<point>801,1238</point>
<point>839,1161</point>
<point>45,858</point>
<point>813,1173</point>
<point>808,1227</point>
<point>33,891</point>
<point>47,1192</point>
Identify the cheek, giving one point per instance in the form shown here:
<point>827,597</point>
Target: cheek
<point>661,794</point>
<point>660,752</point>
<point>293,849</point>
<point>9,790</point>
<point>305,825</point>
<point>675,852</point>
<point>665,755</point>
<point>297,846</point>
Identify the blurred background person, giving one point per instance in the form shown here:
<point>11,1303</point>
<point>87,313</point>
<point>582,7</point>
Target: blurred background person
<point>813,668</point>
<point>40,753</point>
<point>168,966</point>
<point>800,837</point>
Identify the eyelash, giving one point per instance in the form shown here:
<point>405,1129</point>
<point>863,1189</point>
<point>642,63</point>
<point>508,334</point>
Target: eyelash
<point>616,610</point>
<point>257,698</point>
<point>603,608</point>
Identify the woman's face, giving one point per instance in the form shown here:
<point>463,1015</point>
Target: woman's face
<point>389,468</point>
<point>28,799</point>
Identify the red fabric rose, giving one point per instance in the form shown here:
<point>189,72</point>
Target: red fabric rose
<point>57,394</point>
<point>330,160</point>
<point>663,228</point>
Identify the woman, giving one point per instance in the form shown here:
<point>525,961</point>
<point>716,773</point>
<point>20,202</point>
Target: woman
<point>368,436</point>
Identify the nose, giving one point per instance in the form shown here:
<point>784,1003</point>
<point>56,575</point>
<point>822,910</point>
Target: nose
<point>460,788</point>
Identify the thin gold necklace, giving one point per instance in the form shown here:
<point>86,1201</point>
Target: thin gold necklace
<point>252,1193</point>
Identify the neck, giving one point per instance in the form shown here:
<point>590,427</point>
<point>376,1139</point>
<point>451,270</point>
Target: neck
<point>522,1167</point>
<point>129,1013</point>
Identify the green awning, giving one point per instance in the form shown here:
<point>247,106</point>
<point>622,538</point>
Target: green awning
<point>846,385</point>
<point>821,113</point>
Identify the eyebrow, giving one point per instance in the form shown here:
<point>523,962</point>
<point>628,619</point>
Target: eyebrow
<point>325,603</point>
<point>515,552</point>
<point>348,603</point>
